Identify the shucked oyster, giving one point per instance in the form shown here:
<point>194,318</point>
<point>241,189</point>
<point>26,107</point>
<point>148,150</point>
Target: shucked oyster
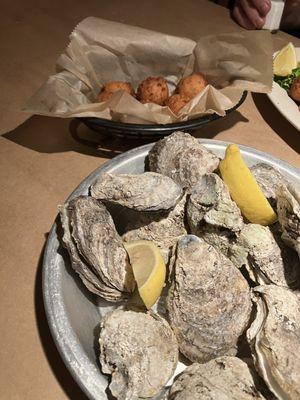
<point>181,157</point>
<point>96,250</point>
<point>224,378</point>
<point>139,350</point>
<point>144,192</point>
<point>275,338</point>
<point>209,301</point>
<point>266,259</point>
<point>269,180</point>
<point>163,229</point>
<point>288,210</point>
<point>211,213</point>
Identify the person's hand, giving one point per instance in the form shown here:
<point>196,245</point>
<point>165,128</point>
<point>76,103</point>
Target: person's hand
<point>251,14</point>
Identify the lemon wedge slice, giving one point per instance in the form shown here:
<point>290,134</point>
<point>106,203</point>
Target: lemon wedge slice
<point>149,269</point>
<point>244,189</point>
<point>285,61</point>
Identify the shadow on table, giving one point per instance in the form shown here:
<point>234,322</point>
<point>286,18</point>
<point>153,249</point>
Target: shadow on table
<point>58,368</point>
<point>55,135</point>
<point>277,121</point>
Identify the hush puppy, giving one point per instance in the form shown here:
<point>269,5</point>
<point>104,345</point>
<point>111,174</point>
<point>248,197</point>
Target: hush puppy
<point>191,85</point>
<point>153,90</point>
<point>111,87</point>
<point>176,102</point>
<point>295,89</point>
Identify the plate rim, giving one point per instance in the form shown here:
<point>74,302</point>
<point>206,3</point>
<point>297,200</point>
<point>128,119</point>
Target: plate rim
<point>65,349</point>
<point>279,103</point>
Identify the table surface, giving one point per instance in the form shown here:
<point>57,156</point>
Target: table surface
<point>42,159</point>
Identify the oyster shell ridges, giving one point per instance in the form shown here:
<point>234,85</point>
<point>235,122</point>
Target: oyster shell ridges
<point>209,301</point>
<point>139,350</point>
<point>275,339</point>
<point>144,192</point>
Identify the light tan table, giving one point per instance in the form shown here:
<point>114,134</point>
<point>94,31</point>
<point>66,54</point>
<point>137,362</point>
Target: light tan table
<point>41,163</point>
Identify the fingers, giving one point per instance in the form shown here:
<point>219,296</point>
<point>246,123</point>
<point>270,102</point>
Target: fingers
<point>262,6</point>
<point>241,18</point>
<point>252,13</point>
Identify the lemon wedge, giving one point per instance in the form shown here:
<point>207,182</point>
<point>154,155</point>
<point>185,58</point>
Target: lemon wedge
<point>149,269</point>
<point>285,61</point>
<point>244,189</point>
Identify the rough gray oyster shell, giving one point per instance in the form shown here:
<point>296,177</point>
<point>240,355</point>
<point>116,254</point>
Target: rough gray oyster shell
<point>288,210</point>
<point>269,180</point>
<point>210,209</point>
<point>95,248</point>
<point>209,301</point>
<point>163,229</point>
<point>224,378</point>
<point>139,350</point>
<point>260,253</point>
<point>181,157</point>
<point>144,192</point>
<point>275,340</point>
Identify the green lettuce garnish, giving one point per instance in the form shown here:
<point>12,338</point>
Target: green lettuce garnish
<point>286,81</point>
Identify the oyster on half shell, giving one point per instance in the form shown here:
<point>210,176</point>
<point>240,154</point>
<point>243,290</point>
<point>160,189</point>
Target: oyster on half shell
<point>95,248</point>
<point>163,229</point>
<point>275,340</point>
<point>265,258</point>
<point>224,378</point>
<point>288,210</point>
<point>181,157</point>
<point>140,352</point>
<point>143,192</point>
<point>209,301</point>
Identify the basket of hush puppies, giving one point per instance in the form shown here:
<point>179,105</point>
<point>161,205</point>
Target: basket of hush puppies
<point>129,81</point>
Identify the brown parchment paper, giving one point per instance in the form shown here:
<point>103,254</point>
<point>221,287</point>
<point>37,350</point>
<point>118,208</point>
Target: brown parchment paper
<point>101,51</point>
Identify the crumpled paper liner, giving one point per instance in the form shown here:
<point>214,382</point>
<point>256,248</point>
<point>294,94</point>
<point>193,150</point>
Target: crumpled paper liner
<point>101,51</point>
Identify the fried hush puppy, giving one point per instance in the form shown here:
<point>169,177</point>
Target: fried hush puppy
<point>111,87</point>
<point>191,85</point>
<point>176,102</point>
<point>153,90</point>
<point>295,89</point>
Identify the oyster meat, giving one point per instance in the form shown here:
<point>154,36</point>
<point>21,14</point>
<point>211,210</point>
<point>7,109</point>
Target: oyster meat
<point>288,210</point>
<point>144,192</point>
<point>224,378</point>
<point>269,180</point>
<point>265,257</point>
<point>181,157</point>
<point>163,229</point>
<point>275,340</point>
<point>140,352</point>
<point>209,301</point>
<point>95,248</point>
<point>211,213</point>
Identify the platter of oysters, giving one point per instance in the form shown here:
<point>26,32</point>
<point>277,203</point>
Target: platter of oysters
<point>173,272</point>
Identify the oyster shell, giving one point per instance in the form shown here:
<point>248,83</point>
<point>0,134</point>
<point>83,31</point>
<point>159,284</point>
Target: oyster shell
<point>269,180</point>
<point>144,192</point>
<point>263,255</point>
<point>209,301</point>
<point>139,350</point>
<point>95,248</point>
<point>224,378</point>
<point>163,229</point>
<point>210,211</point>
<point>275,339</point>
<point>288,210</point>
<point>181,157</point>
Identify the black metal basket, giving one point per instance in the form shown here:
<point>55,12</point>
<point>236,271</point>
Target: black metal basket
<point>151,131</point>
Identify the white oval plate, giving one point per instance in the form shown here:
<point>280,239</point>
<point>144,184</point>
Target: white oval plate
<point>284,104</point>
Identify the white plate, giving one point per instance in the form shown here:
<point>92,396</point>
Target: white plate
<point>284,104</point>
